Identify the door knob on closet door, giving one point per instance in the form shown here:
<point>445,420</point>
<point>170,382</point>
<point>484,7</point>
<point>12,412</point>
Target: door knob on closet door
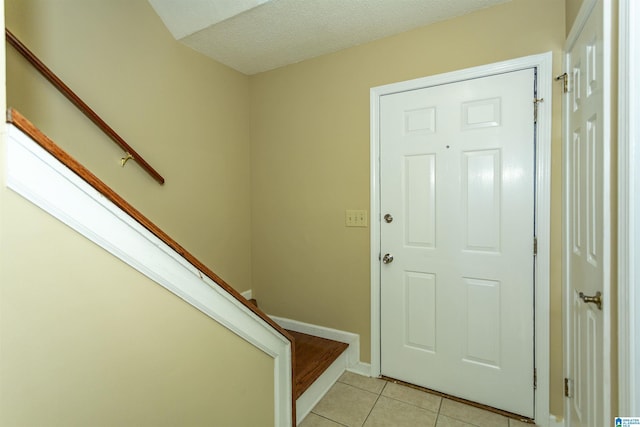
<point>596,299</point>
<point>388,218</point>
<point>387,258</point>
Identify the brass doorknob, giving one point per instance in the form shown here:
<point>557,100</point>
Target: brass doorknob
<point>596,299</point>
<point>387,258</point>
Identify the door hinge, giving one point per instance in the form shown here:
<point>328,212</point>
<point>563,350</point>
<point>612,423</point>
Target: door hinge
<point>536,101</point>
<point>535,378</point>
<point>535,246</point>
<point>564,77</point>
<point>568,388</point>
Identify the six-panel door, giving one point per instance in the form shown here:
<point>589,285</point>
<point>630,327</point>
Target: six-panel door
<point>457,175</point>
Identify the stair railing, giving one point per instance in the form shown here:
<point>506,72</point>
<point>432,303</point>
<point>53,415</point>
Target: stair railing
<point>130,153</point>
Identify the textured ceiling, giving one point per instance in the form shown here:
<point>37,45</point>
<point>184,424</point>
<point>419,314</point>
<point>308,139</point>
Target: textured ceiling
<point>252,36</point>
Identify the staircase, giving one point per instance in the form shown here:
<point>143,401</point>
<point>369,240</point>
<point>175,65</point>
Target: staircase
<point>44,174</point>
<point>319,362</point>
<point>314,355</point>
<point>41,171</point>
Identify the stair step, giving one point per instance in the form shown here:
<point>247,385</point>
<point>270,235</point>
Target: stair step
<point>313,356</point>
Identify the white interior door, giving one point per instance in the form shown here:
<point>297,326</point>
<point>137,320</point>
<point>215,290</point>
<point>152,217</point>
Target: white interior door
<point>587,227</point>
<point>457,195</point>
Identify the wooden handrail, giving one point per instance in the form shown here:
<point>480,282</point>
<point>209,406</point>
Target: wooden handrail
<point>82,106</point>
<point>22,123</point>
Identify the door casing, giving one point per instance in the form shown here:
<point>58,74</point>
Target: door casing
<point>628,210</point>
<point>543,64</point>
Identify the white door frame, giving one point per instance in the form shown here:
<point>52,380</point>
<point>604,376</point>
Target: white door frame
<point>543,63</point>
<point>628,210</point>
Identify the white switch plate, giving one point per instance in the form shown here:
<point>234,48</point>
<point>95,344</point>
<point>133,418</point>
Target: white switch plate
<point>356,218</point>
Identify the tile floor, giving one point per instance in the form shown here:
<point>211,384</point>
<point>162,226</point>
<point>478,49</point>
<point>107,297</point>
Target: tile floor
<point>356,400</point>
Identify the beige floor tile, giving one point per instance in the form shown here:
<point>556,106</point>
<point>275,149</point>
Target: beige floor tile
<point>444,421</point>
<point>313,420</point>
<point>346,404</point>
<point>516,423</point>
<point>374,385</point>
<point>472,415</point>
<point>393,413</point>
<point>412,396</point>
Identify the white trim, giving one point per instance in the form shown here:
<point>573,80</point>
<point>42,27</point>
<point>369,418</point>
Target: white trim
<point>353,352</point>
<point>579,22</point>
<point>320,387</point>
<point>628,210</point>
<point>349,360</point>
<point>39,177</point>
<point>361,368</point>
<point>543,63</point>
<point>554,422</point>
<point>248,294</point>
<point>583,15</point>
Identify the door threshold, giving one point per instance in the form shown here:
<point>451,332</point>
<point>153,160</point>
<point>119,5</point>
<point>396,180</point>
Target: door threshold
<point>461,400</point>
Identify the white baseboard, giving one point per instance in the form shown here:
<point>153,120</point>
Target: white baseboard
<point>248,294</point>
<point>361,368</point>
<point>353,352</point>
<point>554,422</point>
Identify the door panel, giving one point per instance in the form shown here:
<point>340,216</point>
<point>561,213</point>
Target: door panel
<point>420,327</point>
<point>457,175</point>
<point>587,256</point>
<point>482,343</point>
<point>481,187</point>
<point>420,184</point>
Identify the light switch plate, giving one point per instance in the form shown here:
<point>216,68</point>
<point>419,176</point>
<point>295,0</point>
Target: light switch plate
<point>356,218</point>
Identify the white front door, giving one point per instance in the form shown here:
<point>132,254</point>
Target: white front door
<point>457,170</point>
<point>586,245</point>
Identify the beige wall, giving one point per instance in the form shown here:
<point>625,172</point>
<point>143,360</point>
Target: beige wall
<point>186,114</point>
<point>88,341</point>
<point>310,161</point>
<point>84,339</point>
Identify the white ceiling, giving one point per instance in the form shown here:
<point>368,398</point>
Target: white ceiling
<point>252,36</point>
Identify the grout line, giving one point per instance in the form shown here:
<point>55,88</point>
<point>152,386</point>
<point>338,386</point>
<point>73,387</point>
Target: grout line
<point>439,408</point>
<point>410,404</point>
<point>383,387</point>
<point>374,405</point>
<point>508,415</point>
<point>451,417</point>
<point>363,389</point>
<point>358,388</point>
<point>437,412</point>
<point>327,418</point>
<point>413,404</point>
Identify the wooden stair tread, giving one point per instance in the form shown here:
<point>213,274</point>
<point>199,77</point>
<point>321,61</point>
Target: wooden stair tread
<point>313,356</point>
